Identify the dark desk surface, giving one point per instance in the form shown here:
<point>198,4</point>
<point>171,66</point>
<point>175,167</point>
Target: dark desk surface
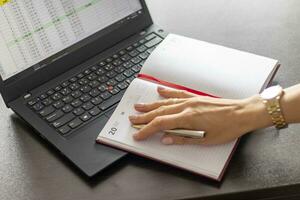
<point>266,164</point>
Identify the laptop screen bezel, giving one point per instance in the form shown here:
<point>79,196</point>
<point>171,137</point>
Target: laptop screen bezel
<point>72,56</point>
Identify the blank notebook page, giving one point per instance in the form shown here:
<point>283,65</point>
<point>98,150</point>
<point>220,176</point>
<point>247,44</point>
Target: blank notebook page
<point>208,161</point>
<point>209,68</point>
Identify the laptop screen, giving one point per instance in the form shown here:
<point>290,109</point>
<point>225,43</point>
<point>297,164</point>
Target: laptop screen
<point>33,30</point>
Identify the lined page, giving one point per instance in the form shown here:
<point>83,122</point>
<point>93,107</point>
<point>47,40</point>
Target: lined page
<point>208,161</point>
<point>209,68</point>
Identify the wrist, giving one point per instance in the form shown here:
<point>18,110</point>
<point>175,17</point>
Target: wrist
<point>254,114</point>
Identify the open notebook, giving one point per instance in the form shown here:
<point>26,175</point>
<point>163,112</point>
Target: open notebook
<point>198,67</point>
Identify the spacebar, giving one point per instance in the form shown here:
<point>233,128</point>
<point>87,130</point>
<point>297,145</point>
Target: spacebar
<point>111,101</point>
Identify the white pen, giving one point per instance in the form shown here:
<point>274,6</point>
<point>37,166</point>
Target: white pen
<point>180,132</point>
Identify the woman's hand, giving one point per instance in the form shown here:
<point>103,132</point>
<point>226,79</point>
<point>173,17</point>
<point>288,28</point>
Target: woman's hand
<point>223,120</point>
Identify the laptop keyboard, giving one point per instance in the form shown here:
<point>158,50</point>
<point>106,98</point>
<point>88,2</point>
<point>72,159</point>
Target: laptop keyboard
<point>83,97</point>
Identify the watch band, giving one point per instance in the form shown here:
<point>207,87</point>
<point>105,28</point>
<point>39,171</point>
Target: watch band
<point>275,111</point>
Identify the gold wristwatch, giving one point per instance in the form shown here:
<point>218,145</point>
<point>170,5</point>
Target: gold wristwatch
<point>271,98</point>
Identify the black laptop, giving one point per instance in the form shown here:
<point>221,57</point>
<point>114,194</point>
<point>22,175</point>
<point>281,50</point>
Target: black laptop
<point>65,65</point>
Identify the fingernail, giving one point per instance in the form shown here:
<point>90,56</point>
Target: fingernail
<point>160,88</point>
<point>139,105</point>
<point>132,117</point>
<point>167,140</point>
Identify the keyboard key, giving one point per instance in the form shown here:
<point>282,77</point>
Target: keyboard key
<point>102,63</point>
<point>128,73</point>
<point>123,85</point>
<point>75,123</point>
<point>153,42</point>
<point>78,111</point>
<point>111,74</point>
<point>65,91</point>
<point>100,71</point>
<point>67,108</point>
<point>142,62</point>
<point>75,86</point>
<point>31,103</point>
<point>58,104</point>
<point>96,101</point>
<point>150,37</point>
<point>142,48</point>
<point>144,55</point>
<point>136,44</point>
<point>81,75</point>
<point>108,60</point>
<point>67,99</point>
<point>136,60</point>
<point>125,57</point>
<point>50,92</point>
<point>83,81</point>
<point>76,103</point>
<point>54,116</point>
<point>102,88</point>
<point>136,68</point>
<point>64,130</point>
<point>46,111</point>
<point>65,84</point>
<point>95,111</point>
<point>127,65</point>
<point>47,102</point>
<point>109,67</point>
<point>120,77</point>
<point>63,120</point>
<point>142,41</point>
<point>87,106</point>
<point>122,52</point>
<point>117,62</point>
<point>115,56</point>
<point>56,96</point>
<point>114,91</point>
<point>94,68</point>
<point>85,98</point>
<point>57,88</point>
<point>94,92</point>
<point>85,117</point>
<point>105,95</point>
<point>111,82</point>
<point>150,50</point>
<point>76,94</point>
<point>119,69</point>
<point>94,84</point>
<point>92,76</point>
<point>38,106</point>
<point>85,89</point>
<point>102,79</point>
<point>74,79</point>
<point>43,96</point>
<point>134,53</point>
<point>87,72</point>
<point>130,79</point>
<point>130,48</point>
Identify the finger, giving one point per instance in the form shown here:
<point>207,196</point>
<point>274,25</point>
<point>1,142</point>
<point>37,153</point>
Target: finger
<point>172,93</point>
<point>146,107</point>
<point>158,124</point>
<point>161,111</point>
<point>169,139</point>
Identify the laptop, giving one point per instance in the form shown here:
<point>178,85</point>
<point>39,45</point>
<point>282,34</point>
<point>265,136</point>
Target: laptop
<point>65,65</point>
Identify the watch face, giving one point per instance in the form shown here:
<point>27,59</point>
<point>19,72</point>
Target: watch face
<point>271,92</point>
